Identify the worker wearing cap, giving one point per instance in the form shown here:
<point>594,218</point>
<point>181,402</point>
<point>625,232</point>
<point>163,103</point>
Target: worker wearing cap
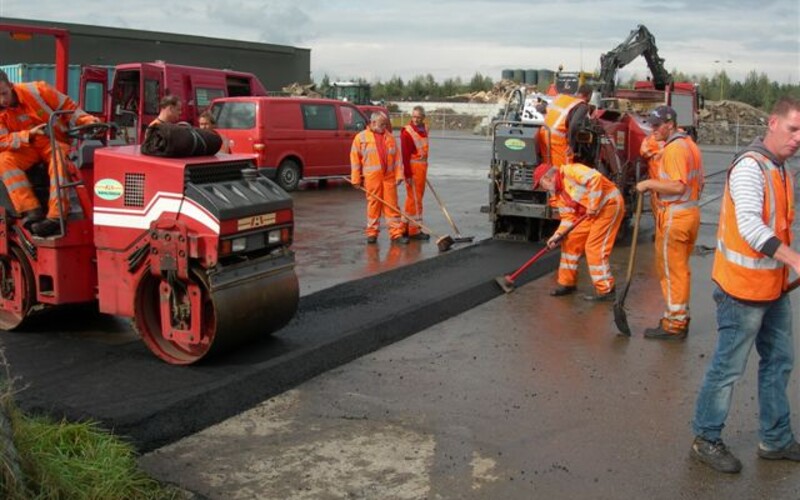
<point>25,109</point>
<point>677,189</point>
<point>414,147</point>
<point>578,190</point>
<point>564,117</point>
<point>375,165</point>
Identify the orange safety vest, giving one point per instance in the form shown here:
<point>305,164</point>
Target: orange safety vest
<point>421,147</point>
<point>364,158</point>
<point>740,270</point>
<point>679,144</point>
<point>38,101</point>
<point>556,121</point>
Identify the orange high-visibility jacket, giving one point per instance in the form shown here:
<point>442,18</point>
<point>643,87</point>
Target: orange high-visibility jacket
<point>421,146</point>
<point>556,120</point>
<point>682,161</point>
<point>37,101</point>
<point>586,187</point>
<point>740,270</point>
<point>365,162</point>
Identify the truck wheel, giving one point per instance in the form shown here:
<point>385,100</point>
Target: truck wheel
<point>17,289</point>
<point>288,175</point>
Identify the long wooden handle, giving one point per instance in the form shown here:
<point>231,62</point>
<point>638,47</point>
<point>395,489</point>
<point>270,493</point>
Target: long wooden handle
<point>637,216</point>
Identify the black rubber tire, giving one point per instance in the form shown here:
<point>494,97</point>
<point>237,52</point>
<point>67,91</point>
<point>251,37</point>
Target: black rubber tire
<point>288,175</point>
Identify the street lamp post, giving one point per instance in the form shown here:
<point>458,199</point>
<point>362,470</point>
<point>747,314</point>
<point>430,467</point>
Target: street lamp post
<point>723,62</point>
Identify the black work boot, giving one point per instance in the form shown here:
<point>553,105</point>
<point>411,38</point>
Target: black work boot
<point>31,216</point>
<point>420,236</point>
<point>402,240</point>
<point>46,227</point>
<point>716,455</point>
<point>562,290</point>
<point>372,239</point>
<point>659,333</point>
<point>790,452</point>
<point>605,297</point>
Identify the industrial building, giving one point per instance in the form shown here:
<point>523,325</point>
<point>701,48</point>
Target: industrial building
<point>275,65</point>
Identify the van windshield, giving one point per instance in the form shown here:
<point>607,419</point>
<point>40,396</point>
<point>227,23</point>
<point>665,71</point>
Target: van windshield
<point>235,115</point>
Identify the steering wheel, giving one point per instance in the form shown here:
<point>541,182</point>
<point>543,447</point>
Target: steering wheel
<point>90,130</point>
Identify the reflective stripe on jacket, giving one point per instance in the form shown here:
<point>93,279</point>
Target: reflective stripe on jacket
<point>420,154</point>
<point>682,162</point>
<point>740,270</point>
<point>556,120</point>
<point>37,101</point>
<point>366,162</point>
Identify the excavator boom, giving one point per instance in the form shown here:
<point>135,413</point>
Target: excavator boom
<point>640,42</point>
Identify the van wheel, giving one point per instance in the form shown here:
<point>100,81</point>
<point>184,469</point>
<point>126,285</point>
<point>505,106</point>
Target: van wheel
<point>288,175</point>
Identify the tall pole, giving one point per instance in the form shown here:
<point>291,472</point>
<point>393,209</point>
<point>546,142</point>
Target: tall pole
<point>722,62</point>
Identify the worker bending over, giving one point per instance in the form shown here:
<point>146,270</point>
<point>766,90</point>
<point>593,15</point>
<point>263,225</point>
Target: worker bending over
<point>25,109</point>
<point>677,189</point>
<point>375,165</point>
<point>577,190</point>
<point>414,144</point>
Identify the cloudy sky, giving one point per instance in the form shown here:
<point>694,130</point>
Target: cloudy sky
<point>449,38</point>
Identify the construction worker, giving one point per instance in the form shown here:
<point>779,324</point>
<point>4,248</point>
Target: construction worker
<point>414,147</point>
<point>25,109</point>
<point>751,268</point>
<point>677,189</point>
<point>206,122</point>
<point>169,111</point>
<point>578,190</point>
<point>375,165</point>
<point>565,116</point>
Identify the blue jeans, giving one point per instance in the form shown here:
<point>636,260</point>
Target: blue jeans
<point>740,325</point>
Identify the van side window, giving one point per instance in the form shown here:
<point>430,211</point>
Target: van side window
<point>204,95</point>
<point>319,117</point>
<point>352,119</point>
<point>235,115</point>
<point>151,97</point>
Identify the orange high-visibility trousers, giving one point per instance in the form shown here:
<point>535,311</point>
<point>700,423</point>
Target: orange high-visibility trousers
<point>13,165</point>
<point>676,233</point>
<point>415,191</point>
<point>386,188</point>
<point>594,237</point>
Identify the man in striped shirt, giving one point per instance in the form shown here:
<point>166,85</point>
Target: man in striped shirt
<point>751,269</point>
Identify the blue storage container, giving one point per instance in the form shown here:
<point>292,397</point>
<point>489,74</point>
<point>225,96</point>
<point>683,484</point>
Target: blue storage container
<point>24,72</point>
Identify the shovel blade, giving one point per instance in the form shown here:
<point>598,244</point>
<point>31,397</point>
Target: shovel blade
<point>621,319</point>
<point>506,284</point>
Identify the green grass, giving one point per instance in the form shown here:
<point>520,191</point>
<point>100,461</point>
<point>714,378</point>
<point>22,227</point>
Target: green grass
<point>63,460</point>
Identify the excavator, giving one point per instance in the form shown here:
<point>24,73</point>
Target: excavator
<point>610,140</point>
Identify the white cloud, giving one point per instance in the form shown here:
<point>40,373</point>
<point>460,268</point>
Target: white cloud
<point>451,38</point>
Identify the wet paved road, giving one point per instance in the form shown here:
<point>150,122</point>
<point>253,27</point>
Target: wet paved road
<point>525,396</point>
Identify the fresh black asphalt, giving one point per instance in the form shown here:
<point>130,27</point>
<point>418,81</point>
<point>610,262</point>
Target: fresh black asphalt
<point>151,403</point>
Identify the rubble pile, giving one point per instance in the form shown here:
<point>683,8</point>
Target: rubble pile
<point>498,93</point>
<point>448,119</point>
<point>730,123</point>
<point>297,89</point>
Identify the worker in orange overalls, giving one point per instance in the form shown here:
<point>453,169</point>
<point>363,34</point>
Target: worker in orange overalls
<point>652,150</point>
<point>563,120</point>
<point>25,109</point>
<point>577,190</point>
<point>414,144</point>
<point>375,165</point>
<point>677,189</point>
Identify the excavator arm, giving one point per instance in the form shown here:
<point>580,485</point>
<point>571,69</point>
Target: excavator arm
<point>640,42</point>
